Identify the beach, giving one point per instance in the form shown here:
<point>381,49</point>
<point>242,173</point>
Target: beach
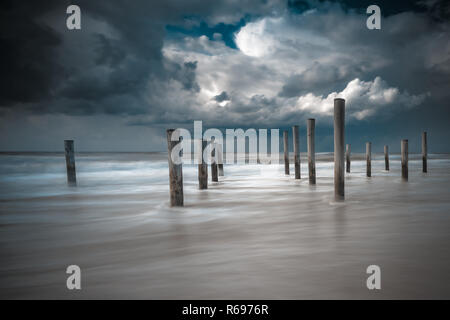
<point>255,234</point>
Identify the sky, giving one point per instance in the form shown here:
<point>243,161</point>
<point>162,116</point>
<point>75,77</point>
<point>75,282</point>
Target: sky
<point>139,67</point>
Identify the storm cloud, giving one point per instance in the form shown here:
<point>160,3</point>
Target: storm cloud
<point>287,61</point>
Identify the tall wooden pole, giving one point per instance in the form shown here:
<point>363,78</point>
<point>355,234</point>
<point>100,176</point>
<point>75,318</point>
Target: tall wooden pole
<point>386,158</point>
<point>311,127</point>
<point>424,152</point>
<point>404,159</point>
<point>286,152</point>
<point>70,162</point>
<point>296,151</point>
<point>214,171</point>
<point>339,142</point>
<point>347,157</point>
<point>220,159</point>
<point>202,166</point>
<point>369,159</point>
<point>175,173</point>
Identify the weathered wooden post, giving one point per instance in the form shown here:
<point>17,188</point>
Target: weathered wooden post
<point>286,152</point>
<point>296,151</point>
<point>404,159</point>
<point>339,142</point>
<point>386,158</point>
<point>311,127</point>
<point>70,162</point>
<point>175,172</point>
<point>214,172</point>
<point>424,152</point>
<point>347,157</point>
<point>369,159</point>
<point>202,166</point>
<point>220,159</point>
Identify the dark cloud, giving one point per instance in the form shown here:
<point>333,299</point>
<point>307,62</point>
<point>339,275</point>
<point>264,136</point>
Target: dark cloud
<point>124,64</point>
<point>29,71</point>
<point>438,10</point>
<point>221,97</point>
<point>388,8</point>
<point>319,79</point>
<point>299,6</point>
<point>187,76</point>
<point>109,65</point>
<point>109,51</point>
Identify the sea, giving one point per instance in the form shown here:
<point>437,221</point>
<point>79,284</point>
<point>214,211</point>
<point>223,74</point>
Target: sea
<point>255,234</point>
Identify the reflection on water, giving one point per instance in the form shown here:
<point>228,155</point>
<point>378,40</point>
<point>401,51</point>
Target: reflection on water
<point>254,234</point>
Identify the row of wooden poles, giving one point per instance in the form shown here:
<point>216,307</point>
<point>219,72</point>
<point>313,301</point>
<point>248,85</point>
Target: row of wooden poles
<point>311,154</point>
<point>176,170</point>
<point>176,173</point>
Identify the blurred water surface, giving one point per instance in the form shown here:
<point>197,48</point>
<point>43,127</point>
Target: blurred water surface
<point>255,234</point>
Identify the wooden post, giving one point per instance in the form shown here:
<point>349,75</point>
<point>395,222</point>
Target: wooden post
<point>404,159</point>
<point>311,127</point>
<point>220,159</point>
<point>175,173</point>
<point>347,157</point>
<point>202,166</point>
<point>368,159</point>
<point>286,152</point>
<point>424,152</point>
<point>296,151</point>
<point>386,158</point>
<point>70,162</point>
<point>339,142</point>
<point>214,172</point>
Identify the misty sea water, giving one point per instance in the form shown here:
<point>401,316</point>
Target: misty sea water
<point>255,234</point>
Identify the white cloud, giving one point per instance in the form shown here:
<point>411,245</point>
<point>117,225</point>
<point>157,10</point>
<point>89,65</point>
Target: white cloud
<point>253,40</point>
<point>290,67</point>
<point>363,99</point>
